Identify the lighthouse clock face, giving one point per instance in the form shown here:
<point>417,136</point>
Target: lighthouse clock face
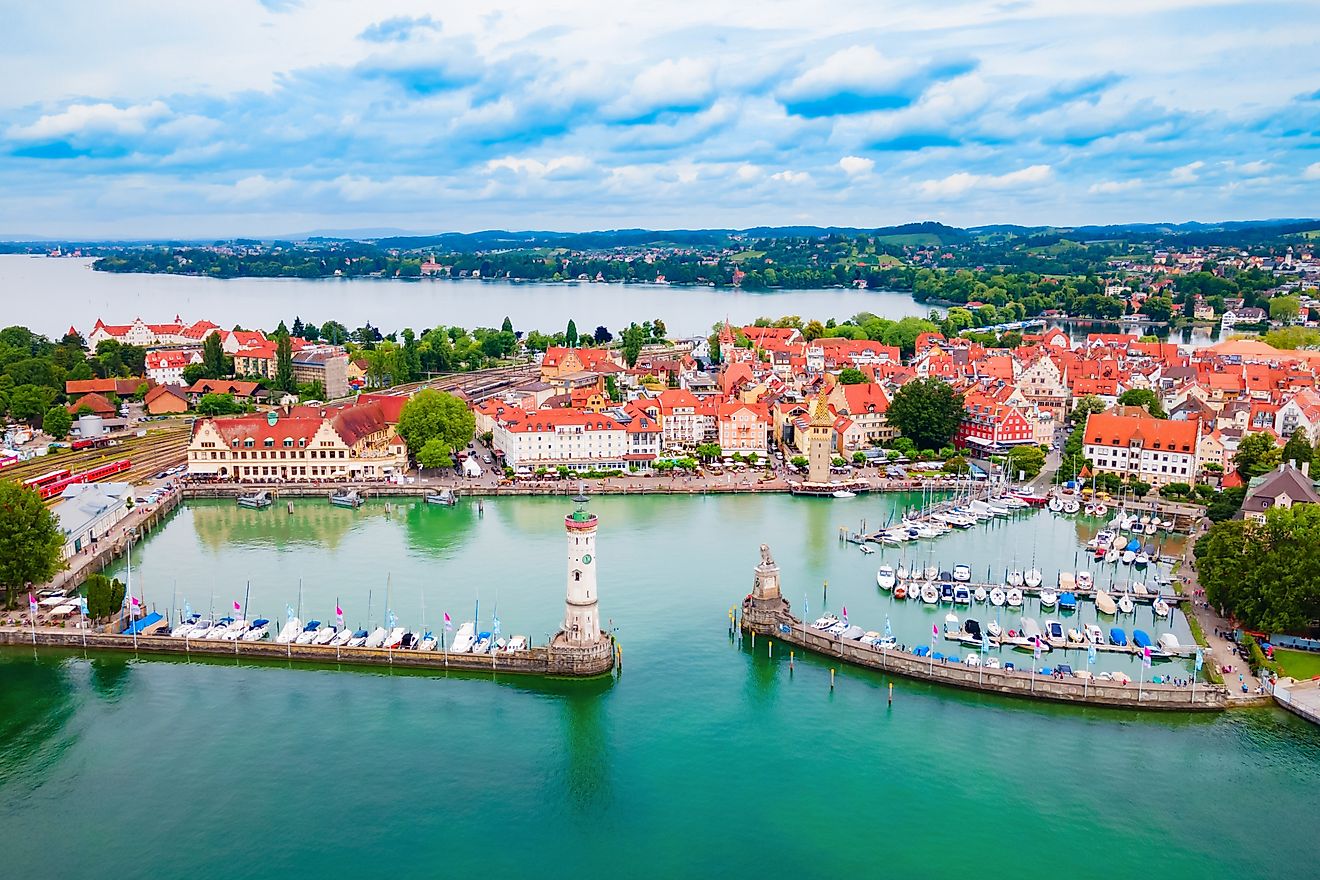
<point>586,559</point>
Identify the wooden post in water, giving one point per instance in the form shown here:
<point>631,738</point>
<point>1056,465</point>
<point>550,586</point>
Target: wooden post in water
<point>831,678</point>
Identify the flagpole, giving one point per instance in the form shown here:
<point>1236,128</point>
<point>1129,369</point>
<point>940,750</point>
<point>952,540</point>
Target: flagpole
<point>130,590</point>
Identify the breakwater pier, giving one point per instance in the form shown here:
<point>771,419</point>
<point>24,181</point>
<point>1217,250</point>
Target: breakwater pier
<point>765,612</point>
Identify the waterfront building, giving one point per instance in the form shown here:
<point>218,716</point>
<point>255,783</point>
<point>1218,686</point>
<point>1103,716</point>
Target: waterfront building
<point>561,437</point>
<point>355,441</point>
<point>743,427</point>
<point>87,511</point>
<point>1138,446</point>
<point>820,431</point>
<point>1042,383</point>
<point>866,407</point>
<point>991,426</point>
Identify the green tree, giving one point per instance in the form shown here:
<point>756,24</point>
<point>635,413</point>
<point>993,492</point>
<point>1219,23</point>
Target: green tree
<point>1145,398</point>
<point>1140,488</point>
<point>28,403</point>
<point>436,415</point>
<point>1158,308</point>
<point>1285,309</point>
<point>1028,459</point>
<point>658,329</point>
<point>1226,504</point>
<point>1266,575</point>
<point>633,339</point>
<point>507,326</point>
<point>31,539</point>
<point>852,376</point>
<point>434,454</point>
<point>571,334</point>
<point>104,596</point>
<point>859,458</point>
<point>213,357</point>
<point>1297,449</point>
<point>814,330</point>
<point>218,405</point>
<point>798,461</point>
<point>709,451</point>
<point>927,411</point>
<point>1256,454</point>
<point>284,379</point>
<point>57,422</point>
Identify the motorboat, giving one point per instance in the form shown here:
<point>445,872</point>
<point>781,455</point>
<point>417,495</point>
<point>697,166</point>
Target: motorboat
<point>234,631</point>
<point>1112,555</point>
<point>901,572</point>
<point>1074,636</point>
<point>259,630</point>
<point>1169,642</point>
<point>1048,598</point>
<point>309,633</point>
<point>483,643</point>
<point>1094,634</point>
<point>1141,640</point>
<point>1067,602</point>
<point>290,631</point>
<point>1054,633</point>
<point>1161,608</point>
<point>971,633</point>
<point>1014,578</point>
<point>395,637</point>
<point>255,500</point>
<point>342,638</point>
<point>184,628</point>
<point>445,496</point>
<point>325,636</point>
<point>973,660</point>
<point>996,596</point>
<point>844,493</point>
<point>1071,505</point>
<point>1152,527</point>
<point>1085,580</point>
<point>991,663</point>
<point>1128,557</point>
<point>994,629</point>
<point>884,577</point>
<point>951,626</point>
<point>1117,636</point>
<point>199,629</point>
<point>377,638</point>
<point>410,641</point>
<point>980,594</point>
<point>901,591</point>
<point>1141,560</point>
<point>1013,598</point>
<point>961,595</point>
<point>962,572</point>
<point>866,548</point>
<point>358,639</point>
<point>515,644</point>
<point>1032,578</point>
<point>931,572</point>
<point>1125,604</point>
<point>946,592</point>
<point>1030,628</point>
<point>1104,603</point>
<point>428,642</point>
<point>1055,504</point>
<point>346,498</point>
<point>821,623</point>
<point>930,594</point>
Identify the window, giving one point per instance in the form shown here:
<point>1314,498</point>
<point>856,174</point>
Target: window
<point>268,442</point>
<point>288,441</point>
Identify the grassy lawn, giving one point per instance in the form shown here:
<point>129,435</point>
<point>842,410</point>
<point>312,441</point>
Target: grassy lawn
<point>1299,664</point>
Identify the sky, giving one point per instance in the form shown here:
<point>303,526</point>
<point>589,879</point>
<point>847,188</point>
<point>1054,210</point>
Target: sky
<point>154,118</point>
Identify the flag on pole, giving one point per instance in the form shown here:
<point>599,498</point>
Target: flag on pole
<point>888,631</point>
<point>32,602</point>
<point>135,601</point>
<point>495,626</point>
<point>934,630</point>
<point>237,607</point>
<point>449,624</point>
<point>1090,655</point>
<point>391,619</point>
<point>806,611</point>
<point>187,609</point>
<point>82,606</point>
<point>1200,659</point>
<point>1035,650</point>
<point>1145,657</point>
<point>339,614</point>
<point>288,611</point>
<point>845,615</point>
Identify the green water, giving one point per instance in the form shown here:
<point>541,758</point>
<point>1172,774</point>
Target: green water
<point>701,759</point>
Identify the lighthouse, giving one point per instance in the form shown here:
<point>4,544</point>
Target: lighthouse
<point>581,618</point>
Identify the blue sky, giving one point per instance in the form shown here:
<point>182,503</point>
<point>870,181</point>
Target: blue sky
<point>261,117</point>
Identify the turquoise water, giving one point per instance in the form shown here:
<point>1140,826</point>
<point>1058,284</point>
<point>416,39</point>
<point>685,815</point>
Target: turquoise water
<point>700,759</point>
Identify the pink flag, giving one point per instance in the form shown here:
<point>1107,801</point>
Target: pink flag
<point>237,607</point>
<point>32,602</point>
<point>135,600</point>
<point>448,625</point>
<point>845,613</point>
<point>339,611</point>
<point>934,629</point>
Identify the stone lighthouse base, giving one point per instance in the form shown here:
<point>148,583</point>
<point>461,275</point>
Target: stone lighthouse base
<point>576,659</point>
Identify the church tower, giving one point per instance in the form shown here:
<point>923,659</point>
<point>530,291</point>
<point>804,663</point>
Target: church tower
<point>818,441</point>
<point>581,618</point>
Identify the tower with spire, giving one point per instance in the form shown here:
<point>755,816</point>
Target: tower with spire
<point>819,432</point>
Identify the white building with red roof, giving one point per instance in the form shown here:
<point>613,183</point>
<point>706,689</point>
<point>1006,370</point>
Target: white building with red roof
<point>166,367</point>
<point>1142,447</point>
<point>143,335</point>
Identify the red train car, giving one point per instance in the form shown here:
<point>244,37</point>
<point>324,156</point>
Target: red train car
<point>90,476</point>
<point>46,479</point>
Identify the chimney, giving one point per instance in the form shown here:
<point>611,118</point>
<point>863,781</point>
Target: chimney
<point>1306,469</point>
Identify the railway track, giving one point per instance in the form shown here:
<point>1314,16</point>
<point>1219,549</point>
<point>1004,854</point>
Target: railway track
<point>160,449</point>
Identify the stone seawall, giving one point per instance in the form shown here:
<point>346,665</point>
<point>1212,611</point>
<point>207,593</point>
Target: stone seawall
<point>545,661</point>
<point>1018,683</point>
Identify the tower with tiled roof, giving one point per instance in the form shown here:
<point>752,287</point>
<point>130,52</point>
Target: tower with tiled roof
<point>818,441</point>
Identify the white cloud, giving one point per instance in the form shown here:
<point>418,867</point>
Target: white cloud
<point>1186,173</point>
<point>560,166</point>
<point>860,69</point>
<point>963,181</point>
<point>1311,172</point>
<point>1106,187</point>
<point>856,166</point>
<point>91,119</point>
<point>789,176</point>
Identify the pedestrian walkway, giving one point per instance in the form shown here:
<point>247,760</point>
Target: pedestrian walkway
<point>1218,632</point>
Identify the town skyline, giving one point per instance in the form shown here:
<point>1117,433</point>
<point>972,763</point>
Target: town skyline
<point>296,116</point>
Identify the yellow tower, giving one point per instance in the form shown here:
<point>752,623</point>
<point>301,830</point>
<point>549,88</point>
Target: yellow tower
<point>819,433</point>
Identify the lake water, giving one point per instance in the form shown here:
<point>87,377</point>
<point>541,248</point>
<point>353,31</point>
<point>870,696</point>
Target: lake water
<point>702,759</point>
<point>32,287</point>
